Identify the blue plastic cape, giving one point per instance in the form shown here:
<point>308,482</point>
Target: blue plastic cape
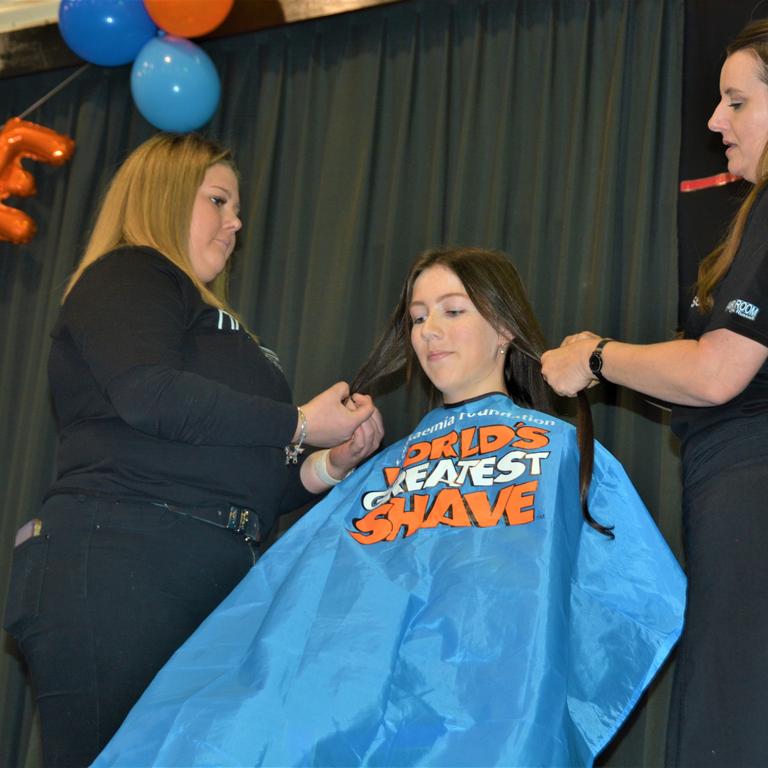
<point>445,606</point>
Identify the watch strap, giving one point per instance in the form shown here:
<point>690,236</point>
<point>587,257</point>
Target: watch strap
<point>596,360</point>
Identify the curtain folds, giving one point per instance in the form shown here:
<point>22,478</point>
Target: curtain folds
<point>545,128</point>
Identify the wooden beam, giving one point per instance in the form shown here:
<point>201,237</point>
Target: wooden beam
<point>37,49</point>
<point>252,15</point>
<point>34,49</point>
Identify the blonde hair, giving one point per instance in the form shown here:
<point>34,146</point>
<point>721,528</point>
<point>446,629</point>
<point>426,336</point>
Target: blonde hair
<point>753,38</point>
<point>149,202</point>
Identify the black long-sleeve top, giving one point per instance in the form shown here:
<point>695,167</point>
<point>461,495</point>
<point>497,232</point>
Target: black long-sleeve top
<point>160,396</point>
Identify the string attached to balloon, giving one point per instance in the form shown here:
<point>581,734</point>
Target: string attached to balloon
<point>63,84</point>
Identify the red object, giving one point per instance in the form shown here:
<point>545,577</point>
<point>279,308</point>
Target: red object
<point>718,180</point>
<point>188,18</point>
<point>20,139</point>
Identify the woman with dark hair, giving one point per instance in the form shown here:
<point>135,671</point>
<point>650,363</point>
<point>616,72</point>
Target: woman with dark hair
<point>446,604</point>
<point>716,378</point>
<point>179,446</point>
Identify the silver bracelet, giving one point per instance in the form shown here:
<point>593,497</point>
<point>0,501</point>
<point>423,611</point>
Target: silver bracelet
<point>292,450</point>
<point>320,461</point>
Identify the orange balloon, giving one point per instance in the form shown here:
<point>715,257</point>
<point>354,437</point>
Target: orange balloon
<point>20,139</point>
<point>188,18</point>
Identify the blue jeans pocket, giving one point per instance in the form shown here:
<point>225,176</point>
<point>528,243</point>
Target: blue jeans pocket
<point>26,585</point>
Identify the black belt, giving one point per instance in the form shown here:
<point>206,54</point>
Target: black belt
<point>245,522</point>
<point>240,520</point>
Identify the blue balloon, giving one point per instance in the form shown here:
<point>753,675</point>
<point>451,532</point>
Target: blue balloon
<point>106,32</point>
<point>175,84</point>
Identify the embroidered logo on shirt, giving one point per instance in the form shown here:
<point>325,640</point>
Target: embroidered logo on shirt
<point>226,321</point>
<point>742,309</point>
<point>230,321</point>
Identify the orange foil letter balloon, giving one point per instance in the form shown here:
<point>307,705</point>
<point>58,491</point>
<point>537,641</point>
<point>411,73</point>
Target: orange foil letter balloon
<point>19,139</point>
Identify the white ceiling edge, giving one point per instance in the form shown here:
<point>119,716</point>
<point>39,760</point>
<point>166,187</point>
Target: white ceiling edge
<point>24,14</point>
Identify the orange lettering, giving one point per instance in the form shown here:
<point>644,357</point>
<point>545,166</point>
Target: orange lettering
<point>480,506</point>
<point>442,447</point>
<point>494,437</point>
<point>448,509</point>
<point>467,437</point>
<point>390,475</point>
<point>416,453</point>
<point>513,501</point>
<point>520,507</point>
<point>412,519</point>
<point>374,527</point>
<point>531,437</point>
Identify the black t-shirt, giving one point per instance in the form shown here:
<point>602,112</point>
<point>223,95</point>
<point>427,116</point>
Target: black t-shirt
<point>158,395</point>
<point>741,306</point>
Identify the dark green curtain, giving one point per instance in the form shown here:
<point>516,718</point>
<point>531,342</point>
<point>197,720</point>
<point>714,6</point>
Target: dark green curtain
<point>545,128</point>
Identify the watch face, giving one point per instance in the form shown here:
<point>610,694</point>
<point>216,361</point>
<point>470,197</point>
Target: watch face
<point>595,362</point>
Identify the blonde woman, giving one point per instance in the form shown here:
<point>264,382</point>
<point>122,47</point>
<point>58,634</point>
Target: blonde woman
<point>179,446</point>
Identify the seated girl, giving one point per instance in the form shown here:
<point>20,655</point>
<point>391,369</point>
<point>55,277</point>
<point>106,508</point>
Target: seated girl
<point>448,604</point>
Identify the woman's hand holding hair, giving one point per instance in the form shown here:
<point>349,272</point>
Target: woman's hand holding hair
<point>326,468</point>
<point>329,420</point>
<point>707,371</point>
<point>566,369</point>
<point>364,441</point>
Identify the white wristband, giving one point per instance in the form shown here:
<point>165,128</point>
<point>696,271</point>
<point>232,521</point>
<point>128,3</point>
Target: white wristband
<point>320,462</point>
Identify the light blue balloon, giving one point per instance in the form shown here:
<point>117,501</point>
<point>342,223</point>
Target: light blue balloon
<point>175,84</point>
<point>105,32</point>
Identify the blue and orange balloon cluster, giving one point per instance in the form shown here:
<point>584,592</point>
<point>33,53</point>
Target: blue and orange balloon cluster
<point>174,83</point>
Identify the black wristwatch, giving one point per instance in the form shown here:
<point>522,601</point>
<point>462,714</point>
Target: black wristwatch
<point>596,360</point>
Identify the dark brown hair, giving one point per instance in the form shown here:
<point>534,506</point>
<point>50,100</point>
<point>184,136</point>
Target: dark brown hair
<point>493,285</point>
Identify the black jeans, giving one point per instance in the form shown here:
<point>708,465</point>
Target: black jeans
<point>720,692</point>
<point>101,599</point>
